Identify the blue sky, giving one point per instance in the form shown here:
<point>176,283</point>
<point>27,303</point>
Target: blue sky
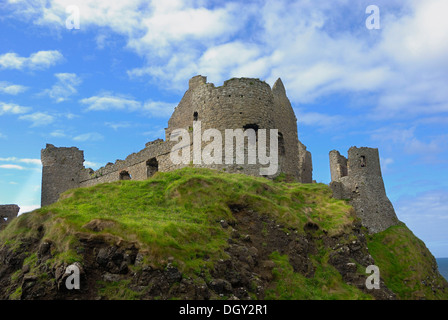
<point>110,86</point>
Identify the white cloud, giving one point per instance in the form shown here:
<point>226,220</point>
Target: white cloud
<point>11,166</point>
<point>38,118</point>
<point>93,165</point>
<point>22,160</point>
<point>64,87</point>
<point>13,89</point>
<point>409,141</point>
<point>91,136</point>
<point>37,60</point>
<point>31,161</point>
<point>58,134</point>
<point>108,101</point>
<point>11,108</point>
<point>318,48</point>
<point>117,125</point>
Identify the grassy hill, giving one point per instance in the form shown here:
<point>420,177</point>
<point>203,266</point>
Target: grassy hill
<point>203,234</point>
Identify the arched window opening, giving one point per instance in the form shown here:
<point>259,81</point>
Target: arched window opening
<point>363,161</point>
<point>124,175</point>
<point>251,126</point>
<point>195,116</point>
<point>152,166</point>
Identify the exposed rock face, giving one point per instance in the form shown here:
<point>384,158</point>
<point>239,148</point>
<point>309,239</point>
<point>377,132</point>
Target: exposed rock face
<point>246,273</point>
<point>359,179</point>
<point>7,213</point>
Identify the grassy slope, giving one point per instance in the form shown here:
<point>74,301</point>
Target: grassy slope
<point>405,263</point>
<point>177,214</point>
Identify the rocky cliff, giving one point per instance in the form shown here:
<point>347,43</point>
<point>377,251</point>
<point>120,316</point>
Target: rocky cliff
<point>200,234</point>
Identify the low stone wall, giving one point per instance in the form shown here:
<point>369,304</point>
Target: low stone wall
<point>7,213</point>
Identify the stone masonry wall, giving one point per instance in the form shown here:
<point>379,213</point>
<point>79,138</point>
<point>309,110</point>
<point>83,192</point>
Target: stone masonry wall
<point>364,187</point>
<point>241,103</point>
<point>338,165</point>
<point>305,164</point>
<point>61,170</point>
<point>7,213</point>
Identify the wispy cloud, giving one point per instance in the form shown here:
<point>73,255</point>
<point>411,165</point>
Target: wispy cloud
<point>58,134</point>
<point>38,118</point>
<point>108,101</point>
<point>13,89</point>
<point>11,108</point>
<point>22,160</point>
<point>91,136</point>
<point>408,141</point>
<point>11,166</point>
<point>64,87</point>
<point>37,60</point>
<point>117,125</point>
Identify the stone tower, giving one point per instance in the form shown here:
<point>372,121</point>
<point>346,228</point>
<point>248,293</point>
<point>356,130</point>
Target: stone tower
<point>358,178</point>
<point>61,168</point>
<point>245,103</point>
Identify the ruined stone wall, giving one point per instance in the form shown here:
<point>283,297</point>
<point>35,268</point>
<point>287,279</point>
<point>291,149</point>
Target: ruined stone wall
<point>61,170</point>
<point>7,213</point>
<point>364,187</point>
<point>140,166</point>
<point>240,103</point>
<point>305,164</point>
<point>338,165</point>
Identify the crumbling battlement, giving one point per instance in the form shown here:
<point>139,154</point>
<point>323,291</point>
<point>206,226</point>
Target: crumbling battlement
<point>240,103</point>
<point>358,178</point>
<point>7,213</point>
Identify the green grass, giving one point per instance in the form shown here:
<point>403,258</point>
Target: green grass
<point>117,290</point>
<point>176,214</point>
<point>405,262</point>
<point>326,284</point>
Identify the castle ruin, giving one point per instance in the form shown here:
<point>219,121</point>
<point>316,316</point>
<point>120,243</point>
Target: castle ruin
<point>240,103</point>
<point>7,213</point>
<point>358,179</point>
